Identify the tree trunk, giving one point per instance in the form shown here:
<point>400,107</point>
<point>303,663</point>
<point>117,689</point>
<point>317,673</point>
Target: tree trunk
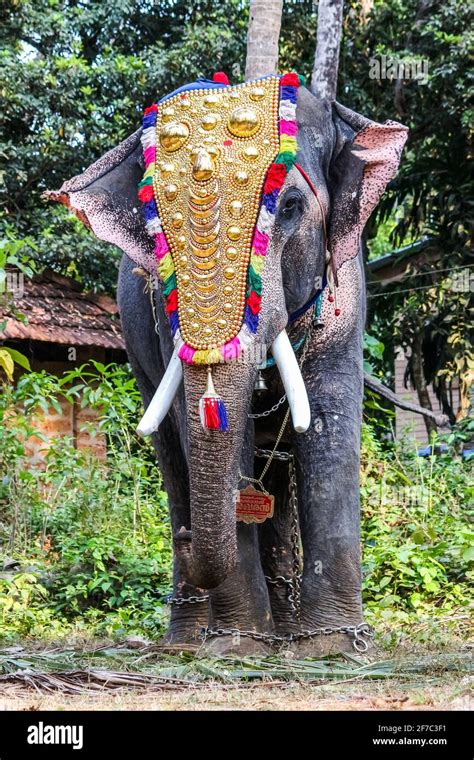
<point>420,384</point>
<point>326,59</point>
<point>262,38</point>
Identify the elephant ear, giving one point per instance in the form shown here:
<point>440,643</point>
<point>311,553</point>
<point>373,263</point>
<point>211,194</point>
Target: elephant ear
<point>104,197</point>
<point>365,159</point>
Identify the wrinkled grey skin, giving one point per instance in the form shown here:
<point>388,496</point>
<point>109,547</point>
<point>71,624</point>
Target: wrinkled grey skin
<point>200,470</point>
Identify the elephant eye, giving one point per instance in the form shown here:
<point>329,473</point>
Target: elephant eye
<point>292,204</point>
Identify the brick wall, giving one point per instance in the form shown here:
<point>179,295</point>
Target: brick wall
<point>74,422</point>
<point>407,422</point>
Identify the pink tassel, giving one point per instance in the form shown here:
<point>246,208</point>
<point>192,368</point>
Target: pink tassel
<point>260,242</point>
<point>161,246</point>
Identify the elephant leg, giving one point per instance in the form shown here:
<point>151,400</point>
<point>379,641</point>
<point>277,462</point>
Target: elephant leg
<point>328,493</point>
<point>241,603</point>
<point>279,543</point>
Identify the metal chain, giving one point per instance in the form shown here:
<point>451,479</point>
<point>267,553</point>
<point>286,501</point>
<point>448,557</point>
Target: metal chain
<point>294,583</point>
<point>178,601</point>
<point>305,348</point>
<point>295,538</point>
<point>258,481</point>
<point>151,287</point>
<point>267,412</point>
<point>360,633</point>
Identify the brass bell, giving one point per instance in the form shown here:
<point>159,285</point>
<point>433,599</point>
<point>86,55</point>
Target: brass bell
<point>260,384</point>
<point>318,323</point>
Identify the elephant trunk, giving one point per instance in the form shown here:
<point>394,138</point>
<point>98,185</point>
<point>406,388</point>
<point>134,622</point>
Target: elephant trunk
<point>208,552</point>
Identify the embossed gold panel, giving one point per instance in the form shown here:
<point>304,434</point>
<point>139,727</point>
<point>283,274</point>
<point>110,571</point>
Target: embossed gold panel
<point>214,148</point>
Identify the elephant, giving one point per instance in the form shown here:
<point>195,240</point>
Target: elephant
<point>243,582</point>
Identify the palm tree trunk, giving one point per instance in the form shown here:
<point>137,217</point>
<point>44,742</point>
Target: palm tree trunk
<point>326,59</point>
<point>262,38</point>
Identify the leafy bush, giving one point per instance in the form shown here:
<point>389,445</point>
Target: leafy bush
<point>87,541</point>
<point>93,534</point>
<point>417,535</point>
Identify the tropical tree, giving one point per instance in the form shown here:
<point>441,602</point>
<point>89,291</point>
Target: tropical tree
<point>262,38</point>
<point>326,58</point>
<point>75,79</point>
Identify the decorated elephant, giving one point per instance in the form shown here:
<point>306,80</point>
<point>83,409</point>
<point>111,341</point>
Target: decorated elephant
<point>242,300</point>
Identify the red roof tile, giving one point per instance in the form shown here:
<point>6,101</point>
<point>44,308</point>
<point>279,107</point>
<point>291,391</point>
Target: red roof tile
<point>58,312</point>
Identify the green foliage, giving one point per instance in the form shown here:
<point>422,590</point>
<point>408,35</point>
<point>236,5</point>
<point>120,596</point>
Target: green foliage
<point>24,608</point>
<point>13,255</point>
<point>431,196</point>
<point>417,535</point>
<point>75,79</point>
<point>89,537</point>
<point>87,541</point>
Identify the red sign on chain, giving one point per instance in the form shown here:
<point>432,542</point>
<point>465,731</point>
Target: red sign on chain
<point>253,506</point>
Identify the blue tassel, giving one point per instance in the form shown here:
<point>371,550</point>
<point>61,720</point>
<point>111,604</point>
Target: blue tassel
<point>174,322</point>
<point>289,93</point>
<point>150,210</point>
<point>251,320</point>
<point>149,120</point>
<point>270,201</point>
<point>222,411</point>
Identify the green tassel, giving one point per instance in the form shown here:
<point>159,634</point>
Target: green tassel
<point>286,158</point>
<point>254,282</point>
<point>146,181</point>
<point>169,284</point>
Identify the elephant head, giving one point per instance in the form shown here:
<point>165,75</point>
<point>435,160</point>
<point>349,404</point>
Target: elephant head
<point>344,164</point>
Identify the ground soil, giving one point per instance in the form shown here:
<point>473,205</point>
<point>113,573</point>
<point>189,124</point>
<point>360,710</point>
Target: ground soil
<point>386,695</point>
<point>433,688</point>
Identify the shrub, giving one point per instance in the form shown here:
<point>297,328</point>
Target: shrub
<point>88,540</point>
<point>93,533</point>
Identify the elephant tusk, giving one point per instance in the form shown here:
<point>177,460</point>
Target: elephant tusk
<point>164,396</point>
<point>293,382</point>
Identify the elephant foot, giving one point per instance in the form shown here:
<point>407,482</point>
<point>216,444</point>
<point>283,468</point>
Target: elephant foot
<point>182,639</point>
<point>243,646</point>
<point>324,646</point>
<point>184,629</point>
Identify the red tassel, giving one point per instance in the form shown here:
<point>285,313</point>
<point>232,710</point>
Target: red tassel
<point>211,415</point>
<point>212,409</point>
<point>253,302</point>
<point>146,193</point>
<point>290,80</point>
<point>275,178</point>
<point>220,77</point>
<point>172,301</point>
